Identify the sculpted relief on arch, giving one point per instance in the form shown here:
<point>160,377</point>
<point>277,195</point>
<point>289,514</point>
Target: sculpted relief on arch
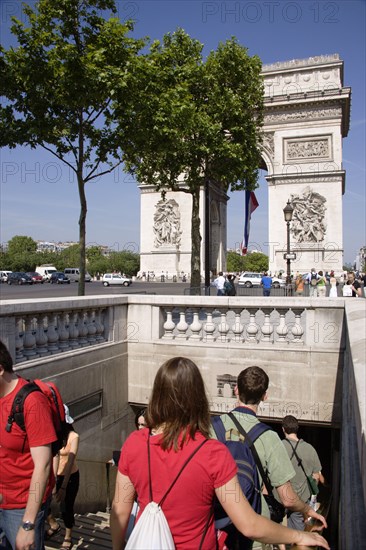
<point>308,218</point>
<point>167,227</point>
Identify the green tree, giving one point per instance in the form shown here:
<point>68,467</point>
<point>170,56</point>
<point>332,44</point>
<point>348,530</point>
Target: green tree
<point>234,262</point>
<point>69,257</point>
<point>60,83</point>
<point>21,253</point>
<point>256,261</point>
<point>202,119</point>
<point>21,244</point>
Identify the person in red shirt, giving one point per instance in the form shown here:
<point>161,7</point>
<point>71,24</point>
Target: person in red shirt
<point>26,477</point>
<point>178,420</point>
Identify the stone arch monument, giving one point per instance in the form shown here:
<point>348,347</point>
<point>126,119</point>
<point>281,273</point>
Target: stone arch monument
<point>307,113</point>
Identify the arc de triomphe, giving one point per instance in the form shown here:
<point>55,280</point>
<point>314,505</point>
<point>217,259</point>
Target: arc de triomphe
<point>307,113</point>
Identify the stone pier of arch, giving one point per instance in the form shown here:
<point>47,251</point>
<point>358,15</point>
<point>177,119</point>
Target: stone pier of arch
<point>307,114</point>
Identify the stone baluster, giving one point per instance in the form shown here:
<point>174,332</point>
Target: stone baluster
<point>169,325</point>
<point>92,329</point>
<point>209,327</point>
<point>238,327</point>
<point>223,327</point>
<point>63,332</point>
<point>73,330</point>
<point>52,334</point>
<point>29,340</point>
<point>297,329</point>
<point>19,335</point>
<point>282,328</point>
<point>252,328</point>
<point>41,336</point>
<point>182,326</point>
<point>99,326</point>
<point>196,326</point>
<point>83,329</point>
<point>267,328</point>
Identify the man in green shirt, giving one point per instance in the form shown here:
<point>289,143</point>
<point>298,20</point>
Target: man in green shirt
<point>298,450</point>
<point>251,389</point>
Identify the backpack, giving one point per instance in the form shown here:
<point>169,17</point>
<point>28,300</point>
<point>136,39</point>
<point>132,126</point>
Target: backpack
<point>229,288</point>
<point>314,279</point>
<point>50,390</point>
<point>152,531</point>
<point>247,468</point>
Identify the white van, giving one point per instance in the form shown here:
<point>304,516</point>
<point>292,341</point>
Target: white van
<point>73,273</point>
<point>4,276</point>
<point>46,271</point>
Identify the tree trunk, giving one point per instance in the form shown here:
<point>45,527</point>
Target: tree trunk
<point>82,234</point>
<point>196,244</point>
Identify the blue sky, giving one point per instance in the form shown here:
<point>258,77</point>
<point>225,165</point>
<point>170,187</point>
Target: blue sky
<point>39,196</point>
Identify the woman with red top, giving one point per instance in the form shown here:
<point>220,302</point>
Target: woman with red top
<point>178,420</point>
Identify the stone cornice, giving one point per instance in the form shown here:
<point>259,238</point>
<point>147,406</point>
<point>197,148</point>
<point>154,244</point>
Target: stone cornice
<point>293,64</point>
<point>309,177</point>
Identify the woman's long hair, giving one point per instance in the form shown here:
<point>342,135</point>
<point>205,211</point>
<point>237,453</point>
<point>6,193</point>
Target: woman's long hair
<point>178,403</point>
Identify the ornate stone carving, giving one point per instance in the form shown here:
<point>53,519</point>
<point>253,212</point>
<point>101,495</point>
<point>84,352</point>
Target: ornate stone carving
<point>268,142</point>
<point>308,223</point>
<point>303,114</point>
<point>296,63</point>
<point>166,228</point>
<point>303,149</point>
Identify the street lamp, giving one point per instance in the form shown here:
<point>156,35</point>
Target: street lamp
<point>287,212</point>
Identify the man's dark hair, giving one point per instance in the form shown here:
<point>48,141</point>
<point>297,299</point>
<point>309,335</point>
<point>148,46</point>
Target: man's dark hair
<point>5,358</point>
<point>290,424</point>
<point>252,385</point>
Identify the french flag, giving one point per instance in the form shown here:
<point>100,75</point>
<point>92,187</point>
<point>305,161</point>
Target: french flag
<point>251,204</point>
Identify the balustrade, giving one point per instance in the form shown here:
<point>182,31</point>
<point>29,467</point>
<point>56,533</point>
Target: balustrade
<point>251,325</point>
<point>41,334</point>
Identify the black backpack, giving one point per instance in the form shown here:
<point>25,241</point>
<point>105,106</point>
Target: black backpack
<point>55,402</point>
<point>314,279</point>
<point>247,469</point>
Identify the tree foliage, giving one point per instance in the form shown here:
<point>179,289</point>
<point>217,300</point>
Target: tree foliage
<point>60,84</point>
<point>21,244</point>
<point>255,261</point>
<point>195,121</point>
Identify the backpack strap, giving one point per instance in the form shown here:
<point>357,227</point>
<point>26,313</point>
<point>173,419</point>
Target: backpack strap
<point>294,453</point>
<point>176,477</point>
<point>17,409</point>
<point>255,432</point>
<point>219,428</point>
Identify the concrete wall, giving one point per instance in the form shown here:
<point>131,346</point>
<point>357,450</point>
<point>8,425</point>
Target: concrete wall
<point>353,450</point>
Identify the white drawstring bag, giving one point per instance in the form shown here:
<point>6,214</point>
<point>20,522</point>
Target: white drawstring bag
<point>152,531</point>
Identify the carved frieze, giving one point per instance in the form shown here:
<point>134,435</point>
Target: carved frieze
<point>167,228</point>
<point>308,224</point>
<point>307,149</point>
<point>277,117</point>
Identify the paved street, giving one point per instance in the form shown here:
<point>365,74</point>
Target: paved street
<point>46,290</point>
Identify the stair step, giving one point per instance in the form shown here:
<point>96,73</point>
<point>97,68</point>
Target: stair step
<point>91,531</point>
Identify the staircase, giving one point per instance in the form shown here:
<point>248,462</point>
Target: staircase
<point>90,531</point>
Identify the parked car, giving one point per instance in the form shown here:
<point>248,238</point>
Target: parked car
<point>19,278</point>
<point>46,271</point>
<point>250,279</point>
<point>73,273</point>
<point>4,276</point>
<point>115,279</point>
<point>59,278</point>
<point>36,277</point>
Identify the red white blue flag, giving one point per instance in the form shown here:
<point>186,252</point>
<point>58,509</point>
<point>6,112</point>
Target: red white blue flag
<point>251,204</point>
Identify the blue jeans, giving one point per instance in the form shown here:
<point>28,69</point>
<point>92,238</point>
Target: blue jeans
<point>10,521</point>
